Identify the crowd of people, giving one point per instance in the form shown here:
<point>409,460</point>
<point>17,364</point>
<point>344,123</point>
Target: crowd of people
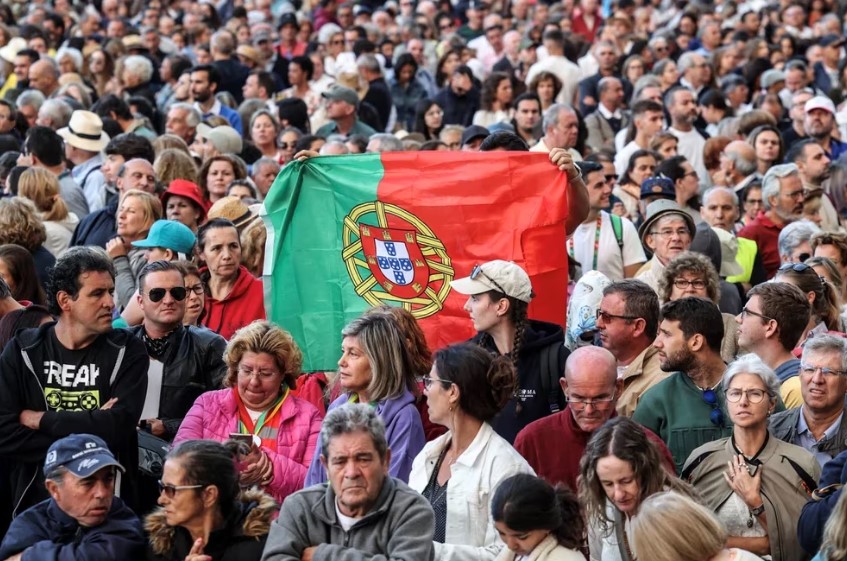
<point>690,407</point>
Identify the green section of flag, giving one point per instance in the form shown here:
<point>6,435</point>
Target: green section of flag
<point>308,288</point>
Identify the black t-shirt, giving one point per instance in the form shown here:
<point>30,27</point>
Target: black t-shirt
<point>74,380</point>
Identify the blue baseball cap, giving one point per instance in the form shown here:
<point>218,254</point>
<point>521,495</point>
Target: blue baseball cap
<point>81,454</point>
<point>169,234</point>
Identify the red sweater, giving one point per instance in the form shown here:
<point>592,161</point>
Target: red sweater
<point>766,235</point>
<point>244,304</point>
<point>554,445</point>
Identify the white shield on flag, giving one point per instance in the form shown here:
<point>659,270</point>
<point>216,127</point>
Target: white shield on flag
<point>394,262</point>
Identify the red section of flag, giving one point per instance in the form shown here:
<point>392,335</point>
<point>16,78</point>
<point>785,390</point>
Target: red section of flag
<point>485,206</point>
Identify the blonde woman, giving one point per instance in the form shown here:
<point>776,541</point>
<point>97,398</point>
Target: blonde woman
<point>137,212</point>
<point>42,188</point>
<point>672,527</point>
<point>834,546</point>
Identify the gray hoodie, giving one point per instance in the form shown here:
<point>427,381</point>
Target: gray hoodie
<point>399,527</point>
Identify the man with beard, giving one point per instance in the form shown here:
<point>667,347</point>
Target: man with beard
<point>814,167</point>
<point>783,197</point>
<point>205,81</point>
<point>682,106</point>
<point>686,408</point>
<point>527,117</point>
<point>819,124</point>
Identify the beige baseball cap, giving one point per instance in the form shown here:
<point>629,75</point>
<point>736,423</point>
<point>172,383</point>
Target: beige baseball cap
<point>502,276</point>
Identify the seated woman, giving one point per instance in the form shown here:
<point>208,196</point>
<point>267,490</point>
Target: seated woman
<point>204,514</point>
<point>672,527</point>
<point>618,471</point>
<point>760,495</point>
<point>458,471</point>
<point>692,274</point>
<point>536,521</point>
<point>263,363</point>
<point>375,367</point>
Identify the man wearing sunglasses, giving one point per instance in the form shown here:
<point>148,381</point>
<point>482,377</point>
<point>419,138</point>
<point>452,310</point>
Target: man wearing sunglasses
<point>77,375</point>
<point>686,409</point>
<point>185,361</point>
<point>82,519</point>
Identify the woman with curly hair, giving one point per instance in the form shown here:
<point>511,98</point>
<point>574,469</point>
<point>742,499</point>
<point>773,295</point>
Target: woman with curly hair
<point>172,164</point>
<point>20,224</point>
<point>496,102</point>
<point>499,293</point>
<point>466,388</point>
<point>263,364</point>
<point>693,274</point>
<point>546,86</point>
<point>619,469</point>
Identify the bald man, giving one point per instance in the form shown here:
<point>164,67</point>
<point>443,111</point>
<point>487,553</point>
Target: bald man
<point>553,445</point>
<point>44,77</point>
<point>738,164</point>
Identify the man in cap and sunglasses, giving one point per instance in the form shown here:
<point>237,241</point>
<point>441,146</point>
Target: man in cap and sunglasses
<point>82,519</point>
<point>76,375</point>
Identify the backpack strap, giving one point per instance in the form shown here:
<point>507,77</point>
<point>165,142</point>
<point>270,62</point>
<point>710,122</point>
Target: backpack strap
<point>617,227</point>
<point>550,375</point>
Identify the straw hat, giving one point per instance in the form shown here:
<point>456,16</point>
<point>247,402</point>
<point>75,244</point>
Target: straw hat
<point>11,50</point>
<point>249,52</point>
<point>233,209</point>
<point>85,131</point>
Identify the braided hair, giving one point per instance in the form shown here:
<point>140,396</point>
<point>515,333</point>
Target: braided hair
<point>517,314</point>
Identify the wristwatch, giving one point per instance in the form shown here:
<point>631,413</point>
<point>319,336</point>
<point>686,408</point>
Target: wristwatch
<point>758,510</point>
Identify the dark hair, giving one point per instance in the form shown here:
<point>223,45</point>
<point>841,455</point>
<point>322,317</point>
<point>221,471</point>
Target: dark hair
<point>131,146</point>
<point>421,107</point>
<point>486,383</point>
<point>787,305</point>
<point>406,59</point>
<point>672,168</point>
<point>306,65</point>
<point>179,64</point>
<point>525,96</point>
<point>266,80</point>
<point>31,54</point>
<point>111,103</point>
<point>213,224</point>
<point>22,318</point>
<point>640,301</point>
<point>142,106</point>
<point>206,463</point>
<point>489,89</point>
<point>525,503</point>
<point>714,98</point>
<point>211,71</point>
<point>504,139</point>
<point>697,316</point>
<point>45,144</point>
<point>795,153</point>
<point>295,111</point>
<point>589,166</point>
<point>637,155</point>
<point>21,266</point>
<point>825,307</point>
<point>305,142</point>
<point>65,275</point>
<point>159,266</point>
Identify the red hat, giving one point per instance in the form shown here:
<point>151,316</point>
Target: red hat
<point>190,191</point>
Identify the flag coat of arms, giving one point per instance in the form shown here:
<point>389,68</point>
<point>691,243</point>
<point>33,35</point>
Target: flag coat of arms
<point>346,233</point>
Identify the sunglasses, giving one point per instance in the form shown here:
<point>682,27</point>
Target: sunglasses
<point>171,490</point>
<point>178,293</point>
<point>287,145</point>
<point>716,414</point>
<point>477,272</point>
<point>796,267</point>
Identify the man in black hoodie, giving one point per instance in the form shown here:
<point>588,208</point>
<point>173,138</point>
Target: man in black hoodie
<point>77,375</point>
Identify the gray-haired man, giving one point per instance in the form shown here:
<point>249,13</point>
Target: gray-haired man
<point>362,512</point>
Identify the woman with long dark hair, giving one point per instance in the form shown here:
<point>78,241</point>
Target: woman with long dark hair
<point>429,118</point>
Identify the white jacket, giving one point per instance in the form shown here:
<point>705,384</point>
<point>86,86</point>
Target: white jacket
<point>470,533</point>
<point>548,550</point>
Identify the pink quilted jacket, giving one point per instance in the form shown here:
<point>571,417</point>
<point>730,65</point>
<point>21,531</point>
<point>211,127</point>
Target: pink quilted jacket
<point>214,416</point>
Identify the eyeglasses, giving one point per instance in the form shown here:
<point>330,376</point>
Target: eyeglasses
<point>607,317</point>
<point>745,311</point>
<point>260,374</point>
<point>287,145</point>
<point>337,41</point>
<point>795,194</point>
<point>753,396</point>
<point>668,233</point>
<point>716,414</point>
<point>683,283</point>
<point>597,403</point>
<point>156,294</point>
<point>611,177</point>
<point>427,382</point>
<point>810,370</point>
<point>445,27</point>
<point>171,490</point>
<point>477,271</point>
<point>197,289</point>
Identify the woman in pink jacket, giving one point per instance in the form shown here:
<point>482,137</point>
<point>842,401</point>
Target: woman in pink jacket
<point>263,364</point>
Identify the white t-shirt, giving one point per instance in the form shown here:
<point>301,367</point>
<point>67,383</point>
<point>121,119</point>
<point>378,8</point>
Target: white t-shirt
<point>611,260</point>
<point>623,156</point>
<point>691,145</point>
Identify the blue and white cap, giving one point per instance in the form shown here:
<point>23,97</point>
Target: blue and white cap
<point>81,454</point>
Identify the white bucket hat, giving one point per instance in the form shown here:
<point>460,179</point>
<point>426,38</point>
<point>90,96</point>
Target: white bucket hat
<point>85,131</point>
<point>10,51</point>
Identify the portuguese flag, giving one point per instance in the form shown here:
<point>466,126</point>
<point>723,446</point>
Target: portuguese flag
<point>349,232</point>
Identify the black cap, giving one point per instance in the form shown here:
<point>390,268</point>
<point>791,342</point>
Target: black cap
<point>473,132</point>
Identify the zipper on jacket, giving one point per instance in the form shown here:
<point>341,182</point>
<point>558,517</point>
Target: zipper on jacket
<point>28,363</point>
